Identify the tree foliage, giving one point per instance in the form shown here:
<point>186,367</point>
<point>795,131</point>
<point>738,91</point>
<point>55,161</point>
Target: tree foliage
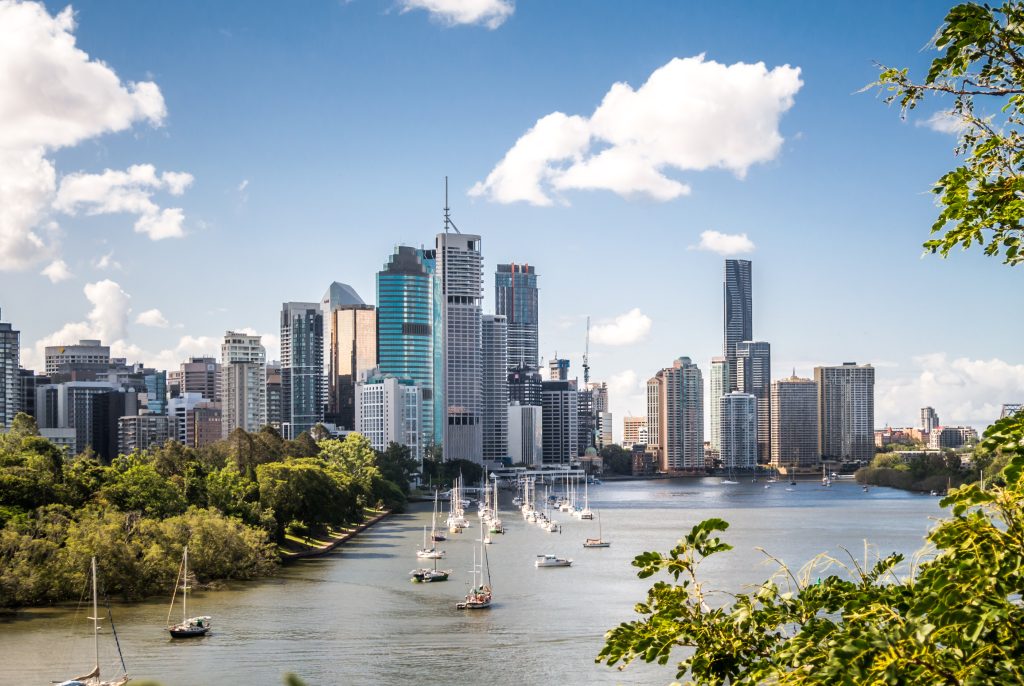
<point>982,200</point>
<point>955,619</point>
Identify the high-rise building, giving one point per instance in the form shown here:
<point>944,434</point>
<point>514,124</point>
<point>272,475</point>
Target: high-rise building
<point>525,434</point>
<point>460,270</point>
<point>275,396</point>
<point>244,385</point>
<point>675,419</point>
<point>156,391</point>
<point>754,375</point>
<point>88,354</point>
<point>719,374</point>
<point>605,430</point>
<point>71,405</point>
<point>558,369</point>
<point>107,409</point>
<point>10,377</point>
<point>142,432</point>
<point>205,424</point>
<point>337,295</point>
<point>515,296</point>
<point>738,312</point>
<point>588,420</point>
<point>846,412</point>
<point>388,410</point>
<point>30,381</point>
<point>353,354</point>
<point>178,409</point>
<point>494,338</point>
<point>200,375</point>
<point>524,386</point>
<point>795,423</point>
<point>559,423</point>
<point>631,431</point>
<point>952,437</point>
<point>738,412</point>
<point>929,419</point>
<point>408,330</point>
<point>302,351</point>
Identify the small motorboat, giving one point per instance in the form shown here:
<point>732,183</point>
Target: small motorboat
<point>552,561</point>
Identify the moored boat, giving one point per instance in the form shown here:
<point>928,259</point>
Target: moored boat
<point>189,627</point>
<point>552,561</point>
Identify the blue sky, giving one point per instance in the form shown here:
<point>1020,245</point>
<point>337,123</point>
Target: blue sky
<point>318,136</point>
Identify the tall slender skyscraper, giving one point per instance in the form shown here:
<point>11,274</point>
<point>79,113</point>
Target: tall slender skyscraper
<point>10,376</point>
<point>244,386</point>
<point>738,314</point>
<point>460,270</point>
<point>302,362</point>
<point>337,295</point>
<point>560,423</point>
<point>754,376</point>
<point>353,353</point>
<point>719,379</point>
<point>495,387</point>
<point>846,412</point>
<point>408,329</point>
<point>515,296</point>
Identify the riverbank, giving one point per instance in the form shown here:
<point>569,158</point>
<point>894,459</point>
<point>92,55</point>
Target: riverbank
<point>296,548</point>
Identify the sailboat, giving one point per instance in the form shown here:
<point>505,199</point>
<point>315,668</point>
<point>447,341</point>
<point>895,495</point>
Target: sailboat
<point>479,596</point>
<point>190,627</point>
<point>598,542</point>
<point>428,553</point>
<point>586,512</point>
<point>426,575</point>
<point>93,678</point>
<point>436,535</point>
<point>730,479</point>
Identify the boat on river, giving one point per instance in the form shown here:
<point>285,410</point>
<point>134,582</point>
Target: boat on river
<point>552,561</point>
<point>431,553</point>
<point>93,678</point>
<point>598,542</point>
<point>436,535</point>
<point>189,627</point>
<point>480,594</point>
<point>426,575</point>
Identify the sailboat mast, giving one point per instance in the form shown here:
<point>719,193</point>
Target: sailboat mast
<point>184,591</point>
<point>95,617</point>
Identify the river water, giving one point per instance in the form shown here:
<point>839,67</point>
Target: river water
<point>353,617</point>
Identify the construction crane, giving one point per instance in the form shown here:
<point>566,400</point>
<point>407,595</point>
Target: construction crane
<point>586,356</point>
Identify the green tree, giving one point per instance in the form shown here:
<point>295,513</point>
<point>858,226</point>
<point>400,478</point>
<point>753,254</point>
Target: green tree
<point>617,459</point>
<point>981,199</point>
<point>958,620</point>
<point>397,465</point>
<point>141,488</point>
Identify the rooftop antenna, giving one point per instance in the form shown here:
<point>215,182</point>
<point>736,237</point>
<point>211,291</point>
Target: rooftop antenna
<point>447,211</point>
<point>586,355</point>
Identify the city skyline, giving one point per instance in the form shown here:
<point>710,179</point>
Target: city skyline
<point>807,234</point>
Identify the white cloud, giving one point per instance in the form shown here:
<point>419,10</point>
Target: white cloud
<point>944,121</point>
<point>690,115</point>
<point>107,261</point>
<point>242,186</point>
<point>624,383</point>
<point>962,390</point>
<point>131,192</point>
<point>631,327</point>
<point>82,99</point>
<point>489,13</point>
<point>57,271</point>
<point>725,243</point>
<point>154,318</point>
<point>107,320</point>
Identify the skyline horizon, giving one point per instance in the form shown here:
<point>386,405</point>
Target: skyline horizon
<point>227,158</point>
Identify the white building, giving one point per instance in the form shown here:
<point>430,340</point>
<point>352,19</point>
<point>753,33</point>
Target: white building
<point>738,413</point>
<point>719,387</point>
<point>846,412</point>
<point>388,411</point>
<point>244,385</point>
<point>525,434</point>
<point>178,409</point>
<point>89,353</point>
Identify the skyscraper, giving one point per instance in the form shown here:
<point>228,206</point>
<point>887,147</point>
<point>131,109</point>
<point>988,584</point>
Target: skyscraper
<point>719,379</point>
<point>846,412</point>
<point>558,369</point>
<point>524,386</point>
<point>515,296</point>
<point>10,376</point>
<point>754,375</point>
<point>560,423</point>
<point>795,423</point>
<point>337,295</point>
<point>388,410</point>
<point>631,431</point>
<point>739,415</point>
<point>460,270</point>
<point>929,419</point>
<point>494,336</point>
<point>244,384</point>
<point>201,375</point>
<point>525,434</point>
<point>275,401</point>
<point>86,355</point>
<point>675,419</point>
<point>738,315</point>
<point>302,361</point>
<point>353,353</point>
<point>407,329</point>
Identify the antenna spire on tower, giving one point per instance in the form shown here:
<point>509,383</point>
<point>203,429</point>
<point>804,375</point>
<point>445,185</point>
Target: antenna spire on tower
<point>447,210</point>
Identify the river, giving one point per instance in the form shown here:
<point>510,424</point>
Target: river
<point>353,617</point>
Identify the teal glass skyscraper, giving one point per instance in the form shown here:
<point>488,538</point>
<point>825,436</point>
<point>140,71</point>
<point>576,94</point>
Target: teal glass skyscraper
<point>407,327</point>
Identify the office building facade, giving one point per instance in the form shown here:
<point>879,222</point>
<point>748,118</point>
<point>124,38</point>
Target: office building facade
<point>244,383</point>
<point>846,412</point>
<point>87,354</point>
<point>717,387</point>
<point>525,434</point>
<point>302,351</point>
<point>929,419</point>
<point>754,376</point>
<point>738,313</point>
<point>10,375</point>
<point>795,423</point>
<point>675,416</point>
<point>634,431</point>
<point>353,354</point>
<point>494,338</point>
<point>738,412</point>
<point>559,423</point>
<point>524,386</point>
<point>200,375</point>
<point>515,297</point>
<point>388,410</point>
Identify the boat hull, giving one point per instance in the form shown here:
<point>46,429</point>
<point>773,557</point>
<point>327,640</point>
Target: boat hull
<point>191,632</point>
